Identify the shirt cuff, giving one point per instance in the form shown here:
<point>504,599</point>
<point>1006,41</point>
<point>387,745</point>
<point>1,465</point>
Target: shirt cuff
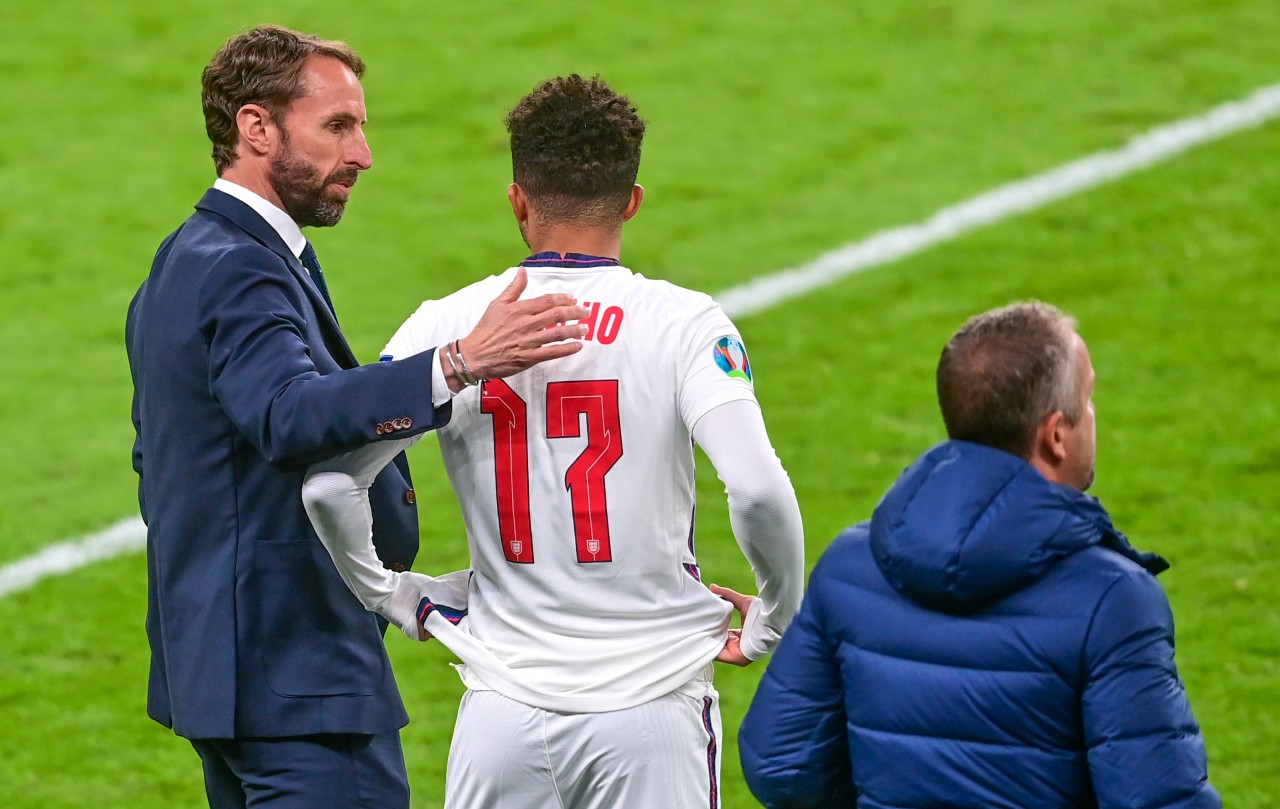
<point>440,393</point>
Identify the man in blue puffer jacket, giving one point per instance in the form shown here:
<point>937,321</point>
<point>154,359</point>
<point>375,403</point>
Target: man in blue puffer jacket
<point>988,639</point>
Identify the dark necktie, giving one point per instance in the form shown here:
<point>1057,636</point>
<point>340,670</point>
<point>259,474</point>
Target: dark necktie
<point>312,264</point>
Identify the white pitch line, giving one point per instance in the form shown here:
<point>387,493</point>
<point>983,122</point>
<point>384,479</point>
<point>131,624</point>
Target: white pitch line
<point>1021,196</point>
<point>123,537</point>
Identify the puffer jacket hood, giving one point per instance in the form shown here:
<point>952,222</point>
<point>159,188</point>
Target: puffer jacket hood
<point>967,524</point>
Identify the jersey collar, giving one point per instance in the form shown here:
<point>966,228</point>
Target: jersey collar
<point>568,260</point>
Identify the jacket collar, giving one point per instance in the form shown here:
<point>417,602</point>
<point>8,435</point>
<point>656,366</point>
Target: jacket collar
<point>280,221</point>
<point>250,221</point>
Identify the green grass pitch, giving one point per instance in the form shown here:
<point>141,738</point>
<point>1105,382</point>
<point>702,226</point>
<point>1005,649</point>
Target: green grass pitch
<point>777,132</point>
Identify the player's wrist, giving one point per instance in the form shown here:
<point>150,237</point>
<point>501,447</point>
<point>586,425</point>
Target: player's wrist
<point>759,638</point>
<point>401,606</point>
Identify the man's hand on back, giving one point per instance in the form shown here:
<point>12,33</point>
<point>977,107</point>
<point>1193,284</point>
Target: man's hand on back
<point>513,335</point>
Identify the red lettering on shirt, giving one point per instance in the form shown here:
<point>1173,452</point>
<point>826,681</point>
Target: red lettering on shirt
<point>603,326</point>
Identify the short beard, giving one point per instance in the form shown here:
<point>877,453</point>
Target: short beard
<point>302,191</point>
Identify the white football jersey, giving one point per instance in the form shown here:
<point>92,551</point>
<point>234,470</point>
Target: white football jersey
<point>576,482</point>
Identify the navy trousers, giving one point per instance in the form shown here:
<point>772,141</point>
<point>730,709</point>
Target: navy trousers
<point>328,771</point>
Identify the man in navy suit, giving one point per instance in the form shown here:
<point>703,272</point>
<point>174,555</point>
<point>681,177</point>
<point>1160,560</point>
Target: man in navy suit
<point>260,655</point>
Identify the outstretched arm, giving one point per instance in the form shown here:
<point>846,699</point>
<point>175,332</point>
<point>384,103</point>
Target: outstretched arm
<point>262,369</point>
<point>765,518</point>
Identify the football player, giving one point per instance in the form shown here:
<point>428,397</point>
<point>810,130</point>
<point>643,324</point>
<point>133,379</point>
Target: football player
<point>584,628</point>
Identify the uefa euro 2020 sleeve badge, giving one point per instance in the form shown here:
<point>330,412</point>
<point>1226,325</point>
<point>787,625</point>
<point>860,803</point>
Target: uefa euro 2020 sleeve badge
<point>731,356</point>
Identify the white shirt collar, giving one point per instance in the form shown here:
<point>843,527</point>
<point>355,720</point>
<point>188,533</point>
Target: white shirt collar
<point>276,218</point>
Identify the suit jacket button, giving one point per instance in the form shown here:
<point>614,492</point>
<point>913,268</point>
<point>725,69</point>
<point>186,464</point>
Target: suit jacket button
<point>396,567</point>
<point>410,497</point>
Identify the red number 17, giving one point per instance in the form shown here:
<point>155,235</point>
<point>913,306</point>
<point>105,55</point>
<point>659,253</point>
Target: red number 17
<point>597,400</point>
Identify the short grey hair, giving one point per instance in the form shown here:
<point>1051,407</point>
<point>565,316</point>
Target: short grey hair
<point>1007,370</point>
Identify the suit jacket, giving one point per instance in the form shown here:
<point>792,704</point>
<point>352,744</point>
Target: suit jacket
<point>241,379</point>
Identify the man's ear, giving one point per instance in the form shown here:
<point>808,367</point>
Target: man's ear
<point>519,202</point>
<point>257,129</point>
<point>637,197</point>
<point>1051,438</point>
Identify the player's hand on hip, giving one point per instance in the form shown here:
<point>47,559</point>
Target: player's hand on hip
<point>402,608</point>
<point>732,651</point>
<point>513,335</point>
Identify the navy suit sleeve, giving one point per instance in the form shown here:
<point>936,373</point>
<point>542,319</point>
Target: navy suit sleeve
<point>1145,748</point>
<point>264,373</point>
<point>793,741</point>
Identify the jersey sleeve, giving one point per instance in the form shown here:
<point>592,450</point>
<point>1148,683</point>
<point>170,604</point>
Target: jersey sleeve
<point>713,364</point>
<point>417,334</point>
<point>335,494</point>
<point>764,515</point>
<point>421,332</point>
<point>438,321</point>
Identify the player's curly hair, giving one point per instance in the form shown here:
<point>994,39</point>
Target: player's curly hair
<point>575,149</point>
<point>1007,370</point>
<point>261,66</point>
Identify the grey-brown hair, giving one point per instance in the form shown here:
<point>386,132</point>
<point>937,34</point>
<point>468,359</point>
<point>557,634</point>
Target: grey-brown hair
<point>261,66</point>
<point>1007,370</point>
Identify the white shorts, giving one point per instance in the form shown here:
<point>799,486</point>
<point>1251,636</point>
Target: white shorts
<point>664,754</point>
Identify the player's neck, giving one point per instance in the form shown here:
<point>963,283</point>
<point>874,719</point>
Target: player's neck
<point>603,242</point>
